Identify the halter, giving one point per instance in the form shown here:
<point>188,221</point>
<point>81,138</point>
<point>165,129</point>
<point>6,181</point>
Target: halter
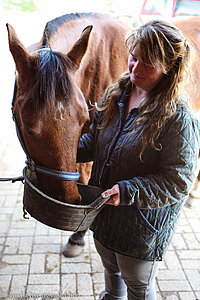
<point>30,162</point>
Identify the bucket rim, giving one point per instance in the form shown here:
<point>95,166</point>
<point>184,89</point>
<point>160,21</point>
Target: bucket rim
<point>96,204</point>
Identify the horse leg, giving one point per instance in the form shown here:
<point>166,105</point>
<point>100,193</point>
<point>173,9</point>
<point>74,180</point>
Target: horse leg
<point>75,244</point>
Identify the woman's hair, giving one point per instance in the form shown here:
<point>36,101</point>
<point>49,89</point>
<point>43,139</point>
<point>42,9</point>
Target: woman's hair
<point>161,44</point>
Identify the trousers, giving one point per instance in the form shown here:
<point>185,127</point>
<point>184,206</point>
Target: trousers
<point>127,276</point>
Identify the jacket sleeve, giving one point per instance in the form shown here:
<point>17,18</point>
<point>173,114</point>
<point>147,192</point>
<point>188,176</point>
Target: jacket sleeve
<point>177,168</point>
<point>86,150</point>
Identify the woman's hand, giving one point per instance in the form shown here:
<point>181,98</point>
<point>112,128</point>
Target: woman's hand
<point>114,192</point>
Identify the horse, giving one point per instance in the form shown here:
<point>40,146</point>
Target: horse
<point>78,56</point>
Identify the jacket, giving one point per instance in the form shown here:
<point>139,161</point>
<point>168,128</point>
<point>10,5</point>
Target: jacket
<point>152,191</point>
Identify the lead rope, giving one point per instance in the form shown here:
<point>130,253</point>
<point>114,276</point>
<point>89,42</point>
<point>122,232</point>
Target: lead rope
<point>13,179</point>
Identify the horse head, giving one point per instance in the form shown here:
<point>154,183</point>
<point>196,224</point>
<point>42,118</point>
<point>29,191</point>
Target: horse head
<point>50,110</point>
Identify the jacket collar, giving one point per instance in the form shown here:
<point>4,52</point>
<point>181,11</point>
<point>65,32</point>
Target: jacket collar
<point>122,102</point>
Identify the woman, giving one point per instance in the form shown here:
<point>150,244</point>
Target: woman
<point>144,143</point>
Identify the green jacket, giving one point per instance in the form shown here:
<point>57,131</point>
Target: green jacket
<point>152,191</point>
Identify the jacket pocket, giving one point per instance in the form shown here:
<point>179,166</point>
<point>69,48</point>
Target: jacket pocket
<point>147,225</point>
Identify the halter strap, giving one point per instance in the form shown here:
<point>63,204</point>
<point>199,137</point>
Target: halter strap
<point>51,172</point>
<point>30,162</point>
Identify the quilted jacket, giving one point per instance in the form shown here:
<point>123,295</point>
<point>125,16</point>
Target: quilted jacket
<point>152,191</point>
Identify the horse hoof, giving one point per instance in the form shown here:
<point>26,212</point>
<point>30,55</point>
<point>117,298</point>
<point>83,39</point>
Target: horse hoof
<point>72,250</point>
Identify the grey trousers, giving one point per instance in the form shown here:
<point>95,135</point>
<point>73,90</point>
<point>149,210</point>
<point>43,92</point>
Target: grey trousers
<point>127,275</point>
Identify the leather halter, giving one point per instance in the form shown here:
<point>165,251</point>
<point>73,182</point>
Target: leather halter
<point>30,162</point>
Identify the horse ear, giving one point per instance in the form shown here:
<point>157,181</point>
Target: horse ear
<point>80,47</point>
<point>20,55</point>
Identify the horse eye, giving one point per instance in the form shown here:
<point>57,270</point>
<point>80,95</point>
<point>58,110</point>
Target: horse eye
<point>29,131</point>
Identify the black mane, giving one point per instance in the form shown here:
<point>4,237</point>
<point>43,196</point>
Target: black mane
<point>52,26</point>
<point>51,81</point>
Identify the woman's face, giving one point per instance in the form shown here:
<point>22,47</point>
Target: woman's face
<point>142,75</point>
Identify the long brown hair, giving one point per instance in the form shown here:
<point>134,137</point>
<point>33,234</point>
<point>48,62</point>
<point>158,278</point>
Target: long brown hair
<point>161,44</point>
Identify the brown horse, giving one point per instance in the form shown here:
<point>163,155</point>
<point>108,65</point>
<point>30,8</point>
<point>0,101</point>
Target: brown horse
<point>54,87</point>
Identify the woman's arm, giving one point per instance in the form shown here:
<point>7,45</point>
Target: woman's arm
<point>177,170</point>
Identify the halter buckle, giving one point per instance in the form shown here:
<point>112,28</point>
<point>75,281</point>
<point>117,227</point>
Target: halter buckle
<point>31,165</point>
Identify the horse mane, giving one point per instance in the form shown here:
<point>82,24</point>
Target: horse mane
<point>51,80</point>
<point>52,26</point>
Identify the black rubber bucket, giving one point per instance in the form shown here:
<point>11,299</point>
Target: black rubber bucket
<point>57,214</point>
